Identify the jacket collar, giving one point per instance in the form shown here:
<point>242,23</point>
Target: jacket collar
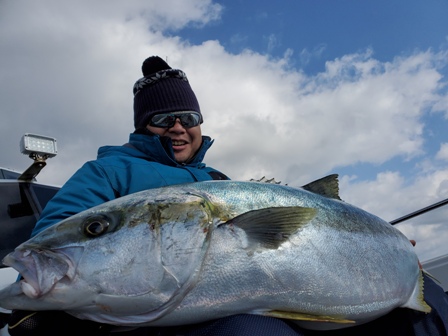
<point>157,148</point>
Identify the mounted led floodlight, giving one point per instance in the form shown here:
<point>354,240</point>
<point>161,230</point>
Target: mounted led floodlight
<point>39,148</point>
<point>38,144</point>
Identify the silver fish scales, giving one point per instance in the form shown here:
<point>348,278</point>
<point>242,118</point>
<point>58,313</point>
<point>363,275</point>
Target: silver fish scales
<point>195,252</point>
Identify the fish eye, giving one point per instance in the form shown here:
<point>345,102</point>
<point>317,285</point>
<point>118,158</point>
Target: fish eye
<point>95,226</point>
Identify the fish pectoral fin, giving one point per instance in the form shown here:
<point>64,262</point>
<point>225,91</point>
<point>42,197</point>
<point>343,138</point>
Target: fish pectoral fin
<point>327,186</point>
<point>306,317</point>
<point>270,227</point>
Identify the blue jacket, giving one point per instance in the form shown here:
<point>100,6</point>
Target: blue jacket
<point>121,170</point>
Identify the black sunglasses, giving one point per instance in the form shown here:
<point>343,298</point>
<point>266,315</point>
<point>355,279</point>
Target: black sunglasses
<point>167,120</point>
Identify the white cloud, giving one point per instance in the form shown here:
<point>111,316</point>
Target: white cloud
<point>272,41</point>
<point>390,197</point>
<point>359,110</point>
<point>306,56</point>
<point>68,70</point>
<point>442,154</point>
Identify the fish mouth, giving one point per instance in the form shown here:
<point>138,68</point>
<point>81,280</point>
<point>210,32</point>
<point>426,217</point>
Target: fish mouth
<point>41,270</point>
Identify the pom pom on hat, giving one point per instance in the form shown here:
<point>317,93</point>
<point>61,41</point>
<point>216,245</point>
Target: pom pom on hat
<point>154,64</point>
<point>161,90</point>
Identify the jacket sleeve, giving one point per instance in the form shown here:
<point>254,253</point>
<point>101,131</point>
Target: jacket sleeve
<point>88,187</point>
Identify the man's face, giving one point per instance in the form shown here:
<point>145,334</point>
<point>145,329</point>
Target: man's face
<point>186,141</point>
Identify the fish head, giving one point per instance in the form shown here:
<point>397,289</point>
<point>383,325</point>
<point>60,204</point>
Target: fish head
<point>137,254</point>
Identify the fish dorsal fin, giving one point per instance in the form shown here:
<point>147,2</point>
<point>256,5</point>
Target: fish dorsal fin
<point>327,186</point>
<point>266,180</point>
<point>270,227</point>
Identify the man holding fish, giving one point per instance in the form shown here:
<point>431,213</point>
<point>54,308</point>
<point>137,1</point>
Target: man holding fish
<point>167,148</point>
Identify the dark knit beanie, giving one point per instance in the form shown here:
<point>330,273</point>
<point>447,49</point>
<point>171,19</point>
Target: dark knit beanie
<point>161,90</point>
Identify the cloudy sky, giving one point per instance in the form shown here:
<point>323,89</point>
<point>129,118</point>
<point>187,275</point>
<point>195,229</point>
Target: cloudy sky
<point>289,89</point>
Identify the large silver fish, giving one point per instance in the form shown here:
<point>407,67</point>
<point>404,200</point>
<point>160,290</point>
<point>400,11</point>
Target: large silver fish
<point>195,252</point>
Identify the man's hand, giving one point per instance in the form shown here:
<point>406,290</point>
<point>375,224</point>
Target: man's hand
<point>413,242</point>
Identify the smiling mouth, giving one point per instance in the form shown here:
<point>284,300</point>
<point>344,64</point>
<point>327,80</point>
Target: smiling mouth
<point>178,142</point>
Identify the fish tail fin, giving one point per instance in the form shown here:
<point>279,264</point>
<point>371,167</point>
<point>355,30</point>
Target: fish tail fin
<point>417,299</point>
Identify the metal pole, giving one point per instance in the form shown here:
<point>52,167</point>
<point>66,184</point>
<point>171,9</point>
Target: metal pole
<point>419,212</point>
